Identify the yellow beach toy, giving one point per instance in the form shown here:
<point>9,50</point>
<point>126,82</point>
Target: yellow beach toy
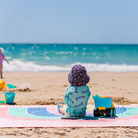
<point>2,85</point>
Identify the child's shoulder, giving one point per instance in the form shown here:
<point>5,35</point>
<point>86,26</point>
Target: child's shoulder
<point>73,88</point>
<point>1,55</point>
<point>70,87</point>
<point>84,87</point>
<point>87,86</point>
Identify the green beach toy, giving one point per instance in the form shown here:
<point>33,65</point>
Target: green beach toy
<point>11,86</point>
<point>2,102</point>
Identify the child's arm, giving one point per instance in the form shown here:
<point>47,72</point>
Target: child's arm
<point>66,96</point>
<point>5,59</point>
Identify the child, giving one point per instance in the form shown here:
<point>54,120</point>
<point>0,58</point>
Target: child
<point>1,61</point>
<point>77,94</point>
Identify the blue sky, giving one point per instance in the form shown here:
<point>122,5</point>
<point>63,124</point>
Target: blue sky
<point>72,21</point>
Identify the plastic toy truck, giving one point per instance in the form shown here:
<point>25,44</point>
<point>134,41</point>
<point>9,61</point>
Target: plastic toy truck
<point>104,106</point>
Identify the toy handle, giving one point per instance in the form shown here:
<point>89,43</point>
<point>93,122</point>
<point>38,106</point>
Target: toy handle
<point>5,98</point>
<point>96,96</point>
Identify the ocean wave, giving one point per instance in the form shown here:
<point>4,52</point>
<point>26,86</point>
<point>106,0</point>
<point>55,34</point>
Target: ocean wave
<point>63,53</point>
<point>18,65</point>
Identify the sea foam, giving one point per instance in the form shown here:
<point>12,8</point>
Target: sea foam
<point>18,65</point>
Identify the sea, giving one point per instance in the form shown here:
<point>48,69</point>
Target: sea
<point>62,57</point>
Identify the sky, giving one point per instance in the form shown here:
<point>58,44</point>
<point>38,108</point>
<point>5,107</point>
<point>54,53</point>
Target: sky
<point>69,21</point>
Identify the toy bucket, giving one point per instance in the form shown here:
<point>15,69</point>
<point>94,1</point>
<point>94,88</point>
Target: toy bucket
<point>9,97</point>
<point>103,102</point>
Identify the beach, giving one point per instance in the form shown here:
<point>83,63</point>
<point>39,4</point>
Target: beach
<point>48,88</point>
<point>41,42</point>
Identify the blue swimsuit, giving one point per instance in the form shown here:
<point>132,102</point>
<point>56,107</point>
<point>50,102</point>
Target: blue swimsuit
<point>76,99</point>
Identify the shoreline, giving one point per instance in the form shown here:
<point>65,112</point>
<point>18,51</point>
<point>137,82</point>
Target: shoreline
<point>5,72</point>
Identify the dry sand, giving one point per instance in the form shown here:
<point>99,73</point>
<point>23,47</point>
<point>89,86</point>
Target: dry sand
<point>49,88</point>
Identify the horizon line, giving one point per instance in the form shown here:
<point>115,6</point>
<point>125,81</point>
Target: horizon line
<point>77,43</point>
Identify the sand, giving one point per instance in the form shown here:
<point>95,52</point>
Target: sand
<point>49,88</point>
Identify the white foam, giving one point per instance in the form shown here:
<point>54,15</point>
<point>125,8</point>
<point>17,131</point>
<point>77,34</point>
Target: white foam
<point>111,68</point>
<point>17,65</point>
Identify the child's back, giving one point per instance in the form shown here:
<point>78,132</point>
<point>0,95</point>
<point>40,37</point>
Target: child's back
<point>76,99</point>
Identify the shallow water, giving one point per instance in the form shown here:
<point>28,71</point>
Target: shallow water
<point>61,57</point>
